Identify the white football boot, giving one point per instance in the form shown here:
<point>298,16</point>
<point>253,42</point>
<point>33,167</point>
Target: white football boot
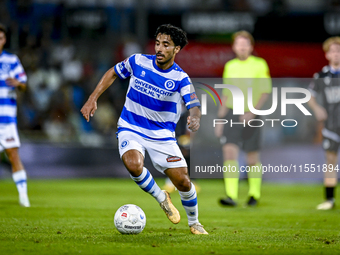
<point>24,201</point>
<point>327,205</point>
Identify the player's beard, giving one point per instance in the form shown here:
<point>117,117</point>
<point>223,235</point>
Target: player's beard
<point>165,61</point>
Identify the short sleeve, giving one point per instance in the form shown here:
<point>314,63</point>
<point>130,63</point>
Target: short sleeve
<point>188,94</point>
<point>225,71</point>
<point>265,73</point>
<point>265,79</point>
<point>18,72</point>
<point>123,69</point>
<point>314,85</point>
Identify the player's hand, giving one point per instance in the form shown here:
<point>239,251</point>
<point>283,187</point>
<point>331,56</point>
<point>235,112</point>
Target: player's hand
<point>193,123</point>
<point>13,82</point>
<point>320,113</point>
<point>247,116</point>
<point>89,109</point>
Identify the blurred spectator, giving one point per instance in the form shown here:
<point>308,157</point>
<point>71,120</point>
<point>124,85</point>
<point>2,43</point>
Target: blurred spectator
<point>106,118</point>
<point>57,124</point>
<point>43,83</point>
<point>72,70</point>
<point>260,7</point>
<point>63,52</point>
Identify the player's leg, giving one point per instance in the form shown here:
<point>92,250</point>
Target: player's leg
<point>231,176</point>
<point>134,163</point>
<point>331,145</point>
<point>231,142</point>
<point>19,175</point>
<point>251,145</point>
<point>132,153</point>
<point>187,191</point>
<point>10,142</point>
<point>254,177</point>
<point>168,159</point>
<point>330,181</point>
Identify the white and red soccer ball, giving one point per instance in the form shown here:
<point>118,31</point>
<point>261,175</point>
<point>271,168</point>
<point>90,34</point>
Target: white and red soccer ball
<point>130,219</point>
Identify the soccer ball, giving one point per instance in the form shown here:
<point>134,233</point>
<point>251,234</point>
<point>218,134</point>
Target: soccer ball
<point>130,219</point>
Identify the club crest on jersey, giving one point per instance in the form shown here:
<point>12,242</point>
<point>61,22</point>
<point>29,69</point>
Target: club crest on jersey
<point>5,68</point>
<point>169,84</point>
<point>173,159</point>
<point>124,144</point>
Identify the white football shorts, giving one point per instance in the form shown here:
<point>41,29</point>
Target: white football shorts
<point>163,154</point>
<point>9,137</point>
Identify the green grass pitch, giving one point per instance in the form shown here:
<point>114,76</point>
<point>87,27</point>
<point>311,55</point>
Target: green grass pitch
<point>76,217</point>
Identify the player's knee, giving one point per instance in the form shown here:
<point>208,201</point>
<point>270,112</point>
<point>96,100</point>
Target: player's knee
<point>11,154</point>
<point>331,157</point>
<point>134,166</point>
<point>133,162</point>
<point>230,151</point>
<point>252,162</point>
<point>252,158</point>
<point>183,184</point>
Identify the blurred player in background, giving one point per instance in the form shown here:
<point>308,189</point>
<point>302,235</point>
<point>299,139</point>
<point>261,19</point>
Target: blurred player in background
<point>243,71</point>
<point>326,83</point>
<point>149,117</point>
<point>12,76</point>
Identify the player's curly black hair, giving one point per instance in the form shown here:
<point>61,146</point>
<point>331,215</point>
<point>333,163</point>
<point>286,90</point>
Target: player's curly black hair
<point>178,36</point>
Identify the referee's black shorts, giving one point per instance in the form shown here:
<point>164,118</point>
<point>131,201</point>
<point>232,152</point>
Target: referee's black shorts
<point>246,138</point>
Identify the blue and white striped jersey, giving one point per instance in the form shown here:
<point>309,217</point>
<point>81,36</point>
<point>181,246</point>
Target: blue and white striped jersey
<point>10,67</point>
<point>153,101</point>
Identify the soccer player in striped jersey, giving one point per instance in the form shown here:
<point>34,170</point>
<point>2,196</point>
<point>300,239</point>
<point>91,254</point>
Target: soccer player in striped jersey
<point>149,117</point>
<point>326,83</point>
<point>12,76</point>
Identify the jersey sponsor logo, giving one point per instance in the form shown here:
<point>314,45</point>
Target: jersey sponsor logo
<point>173,159</point>
<point>124,144</point>
<point>169,84</point>
<point>151,90</point>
